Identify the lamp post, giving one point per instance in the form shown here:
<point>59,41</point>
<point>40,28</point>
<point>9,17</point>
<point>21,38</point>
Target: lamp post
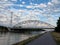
<point>11,19</point>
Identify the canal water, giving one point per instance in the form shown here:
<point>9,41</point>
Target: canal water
<point>12,38</point>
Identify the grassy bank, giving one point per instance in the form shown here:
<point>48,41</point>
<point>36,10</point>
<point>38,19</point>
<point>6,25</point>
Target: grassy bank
<point>24,42</point>
<point>56,36</point>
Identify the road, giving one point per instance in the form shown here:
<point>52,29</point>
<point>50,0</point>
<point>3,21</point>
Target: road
<point>45,39</point>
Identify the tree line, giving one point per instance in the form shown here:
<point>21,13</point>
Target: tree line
<point>57,29</point>
<point>3,28</point>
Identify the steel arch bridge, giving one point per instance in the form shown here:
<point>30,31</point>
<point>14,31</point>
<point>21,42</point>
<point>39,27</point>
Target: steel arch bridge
<point>33,24</point>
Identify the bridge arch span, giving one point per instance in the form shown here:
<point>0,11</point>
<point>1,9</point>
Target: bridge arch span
<point>33,24</point>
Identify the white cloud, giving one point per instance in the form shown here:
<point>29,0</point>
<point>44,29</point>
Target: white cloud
<point>23,2</point>
<point>43,5</point>
<point>56,1</point>
<point>49,3</point>
<point>31,3</point>
<point>21,5</point>
<point>28,6</point>
<point>3,0</point>
<point>13,0</point>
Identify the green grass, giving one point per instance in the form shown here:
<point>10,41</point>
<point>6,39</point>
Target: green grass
<point>56,36</point>
<point>24,42</point>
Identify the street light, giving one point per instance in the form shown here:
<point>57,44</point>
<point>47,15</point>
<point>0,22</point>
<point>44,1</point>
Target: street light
<point>11,19</point>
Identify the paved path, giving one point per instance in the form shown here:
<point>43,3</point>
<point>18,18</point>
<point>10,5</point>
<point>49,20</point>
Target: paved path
<point>46,39</point>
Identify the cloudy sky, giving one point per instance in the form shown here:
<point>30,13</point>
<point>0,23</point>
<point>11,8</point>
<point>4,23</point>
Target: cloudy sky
<point>43,10</point>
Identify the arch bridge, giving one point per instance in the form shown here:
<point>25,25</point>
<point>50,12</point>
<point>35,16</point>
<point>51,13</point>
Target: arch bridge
<point>35,24</point>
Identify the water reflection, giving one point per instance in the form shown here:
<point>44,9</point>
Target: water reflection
<point>8,38</point>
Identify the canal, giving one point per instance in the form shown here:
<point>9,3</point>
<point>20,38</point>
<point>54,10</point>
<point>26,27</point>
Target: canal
<point>9,38</point>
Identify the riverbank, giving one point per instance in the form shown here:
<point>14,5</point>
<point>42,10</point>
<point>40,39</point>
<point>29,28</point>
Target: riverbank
<point>21,30</point>
<point>56,37</point>
<point>24,42</point>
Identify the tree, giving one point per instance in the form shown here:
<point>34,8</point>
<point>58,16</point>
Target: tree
<point>57,29</point>
<point>3,28</point>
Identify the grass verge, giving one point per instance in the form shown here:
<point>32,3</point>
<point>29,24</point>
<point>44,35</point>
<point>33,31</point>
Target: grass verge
<point>56,36</point>
<point>24,42</point>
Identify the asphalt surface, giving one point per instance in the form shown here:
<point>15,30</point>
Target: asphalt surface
<point>45,39</point>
